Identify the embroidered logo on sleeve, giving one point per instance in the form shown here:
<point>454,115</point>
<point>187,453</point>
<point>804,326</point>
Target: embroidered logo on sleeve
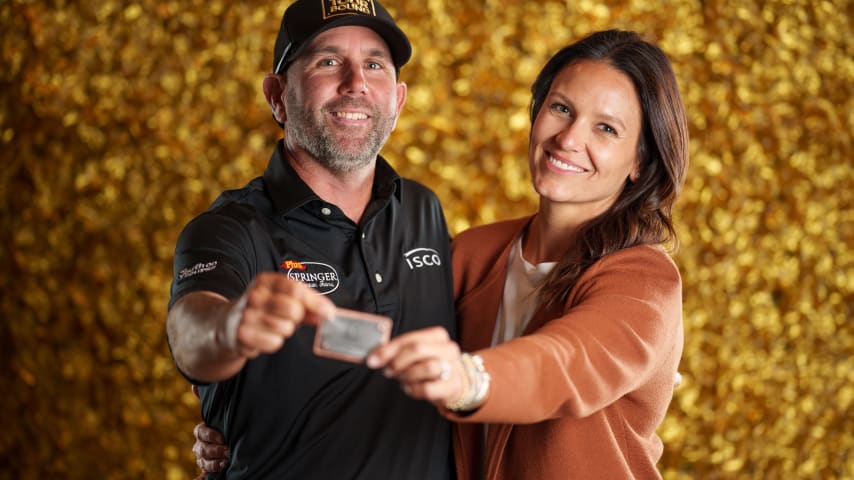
<point>319,276</point>
<point>196,269</point>
<point>422,257</point>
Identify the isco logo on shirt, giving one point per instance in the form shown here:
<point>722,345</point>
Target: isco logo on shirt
<point>422,258</point>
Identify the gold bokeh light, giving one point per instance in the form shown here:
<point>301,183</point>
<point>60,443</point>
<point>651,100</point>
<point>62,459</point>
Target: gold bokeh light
<point>120,122</point>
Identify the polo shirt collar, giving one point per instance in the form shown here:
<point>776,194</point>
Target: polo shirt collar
<point>288,191</point>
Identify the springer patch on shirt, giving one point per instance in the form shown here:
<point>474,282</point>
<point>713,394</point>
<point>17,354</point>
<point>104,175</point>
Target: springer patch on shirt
<point>319,276</point>
<point>422,257</point>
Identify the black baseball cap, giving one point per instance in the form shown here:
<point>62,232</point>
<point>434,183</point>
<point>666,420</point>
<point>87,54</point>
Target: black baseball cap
<point>305,19</point>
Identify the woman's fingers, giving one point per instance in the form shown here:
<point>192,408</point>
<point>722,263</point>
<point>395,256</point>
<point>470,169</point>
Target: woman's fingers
<point>426,362</point>
<point>437,380</point>
<point>430,369</point>
<point>404,350</point>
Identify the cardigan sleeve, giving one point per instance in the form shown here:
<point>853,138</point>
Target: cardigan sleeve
<point>619,332</point>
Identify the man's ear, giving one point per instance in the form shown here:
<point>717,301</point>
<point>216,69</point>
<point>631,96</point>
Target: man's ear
<point>274,88</point>
<point>401,96</point>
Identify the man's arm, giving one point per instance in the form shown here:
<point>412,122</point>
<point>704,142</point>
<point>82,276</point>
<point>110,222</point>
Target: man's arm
<point>196,327</point>
<point>212,337</point>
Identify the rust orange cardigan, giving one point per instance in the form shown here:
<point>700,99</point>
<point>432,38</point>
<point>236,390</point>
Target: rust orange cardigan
<point>581,394</point>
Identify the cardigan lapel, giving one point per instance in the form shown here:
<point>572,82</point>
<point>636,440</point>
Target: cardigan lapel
<point>477,312</point>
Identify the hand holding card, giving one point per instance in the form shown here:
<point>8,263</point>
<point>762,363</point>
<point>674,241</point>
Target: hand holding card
<point>351,335</point>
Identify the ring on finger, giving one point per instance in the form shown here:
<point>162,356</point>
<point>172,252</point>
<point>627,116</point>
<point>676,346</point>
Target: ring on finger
<point>444,370</point>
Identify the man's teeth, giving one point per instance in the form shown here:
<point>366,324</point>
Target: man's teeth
<point>565,166</point>
<point>351,116</point>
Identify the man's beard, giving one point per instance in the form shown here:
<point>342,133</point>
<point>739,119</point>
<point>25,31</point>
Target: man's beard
<point>314,135</point>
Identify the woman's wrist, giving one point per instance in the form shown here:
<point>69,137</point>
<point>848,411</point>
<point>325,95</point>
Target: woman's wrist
<point>475,384</point>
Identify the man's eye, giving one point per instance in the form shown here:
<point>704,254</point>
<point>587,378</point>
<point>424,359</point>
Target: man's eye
<point>374,66</point>
<point>328,62</point>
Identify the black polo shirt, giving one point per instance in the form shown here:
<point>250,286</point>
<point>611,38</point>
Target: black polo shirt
<point>293,415</point>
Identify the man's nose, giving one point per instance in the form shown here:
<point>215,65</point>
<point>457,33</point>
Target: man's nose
<point>354,81</point>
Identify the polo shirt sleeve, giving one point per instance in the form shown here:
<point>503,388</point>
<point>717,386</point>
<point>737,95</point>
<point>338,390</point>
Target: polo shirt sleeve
<point>214,253</point>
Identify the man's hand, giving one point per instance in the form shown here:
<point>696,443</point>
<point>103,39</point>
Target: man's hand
<point>270,311</point>
<point>210,450</point>
<point>212,337</point>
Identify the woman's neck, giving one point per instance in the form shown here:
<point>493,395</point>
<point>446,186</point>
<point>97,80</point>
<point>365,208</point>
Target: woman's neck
<point>551,233</point>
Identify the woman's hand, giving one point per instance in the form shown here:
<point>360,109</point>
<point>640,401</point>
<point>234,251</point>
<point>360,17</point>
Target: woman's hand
<point>426,363</point>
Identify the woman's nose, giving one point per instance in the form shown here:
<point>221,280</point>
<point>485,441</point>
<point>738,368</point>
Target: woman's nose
<point>570,137</point>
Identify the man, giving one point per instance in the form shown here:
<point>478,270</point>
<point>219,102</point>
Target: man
<point>329,223</point>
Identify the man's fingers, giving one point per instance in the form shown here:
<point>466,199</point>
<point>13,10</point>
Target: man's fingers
<point>275,298</point>
<point>317,308</point>
<point>207,434</point>
<point>314,307</point>
<point>211,451</point>
<point>271,322</point>
<point>253,340</point>
<point>267,319</point>
<point>286,305</point>
<point>209,466</point>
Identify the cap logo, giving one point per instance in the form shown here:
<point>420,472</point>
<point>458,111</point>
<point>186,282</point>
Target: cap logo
<point>332,8</point>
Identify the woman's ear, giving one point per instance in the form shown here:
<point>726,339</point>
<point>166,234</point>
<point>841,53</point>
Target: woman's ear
<point>635,173</point>
<point>274,87</point>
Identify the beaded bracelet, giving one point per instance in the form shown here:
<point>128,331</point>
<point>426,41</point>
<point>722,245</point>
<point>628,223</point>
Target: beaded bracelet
<point>476,384</point>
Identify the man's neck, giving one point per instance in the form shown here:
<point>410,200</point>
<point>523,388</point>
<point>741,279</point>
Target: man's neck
<point>350,191</point>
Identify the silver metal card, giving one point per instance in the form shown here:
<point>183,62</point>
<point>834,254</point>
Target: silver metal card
<point>351,335</point>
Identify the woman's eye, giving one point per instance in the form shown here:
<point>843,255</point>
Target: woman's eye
<point>608,129</point>
<point>560,108</point>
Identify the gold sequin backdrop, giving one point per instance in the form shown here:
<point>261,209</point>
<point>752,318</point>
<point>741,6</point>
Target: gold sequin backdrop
<point>120,121</point>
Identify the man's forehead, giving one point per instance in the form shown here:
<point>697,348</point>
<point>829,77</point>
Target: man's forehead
<point>339,37</point>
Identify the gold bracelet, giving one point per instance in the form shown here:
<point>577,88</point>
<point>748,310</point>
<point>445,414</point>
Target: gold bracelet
<point>476,381</point>
<point>483,382</point>
<point>456,404</point>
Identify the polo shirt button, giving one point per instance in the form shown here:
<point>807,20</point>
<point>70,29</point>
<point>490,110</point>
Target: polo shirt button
<point>379,278</point>
<point>363,234</point>
<point>326,211</point>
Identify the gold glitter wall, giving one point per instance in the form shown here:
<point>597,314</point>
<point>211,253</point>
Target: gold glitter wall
<point>120,121</point>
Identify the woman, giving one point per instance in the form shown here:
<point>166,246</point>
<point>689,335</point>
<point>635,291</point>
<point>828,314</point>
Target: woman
<point>573,315</point>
